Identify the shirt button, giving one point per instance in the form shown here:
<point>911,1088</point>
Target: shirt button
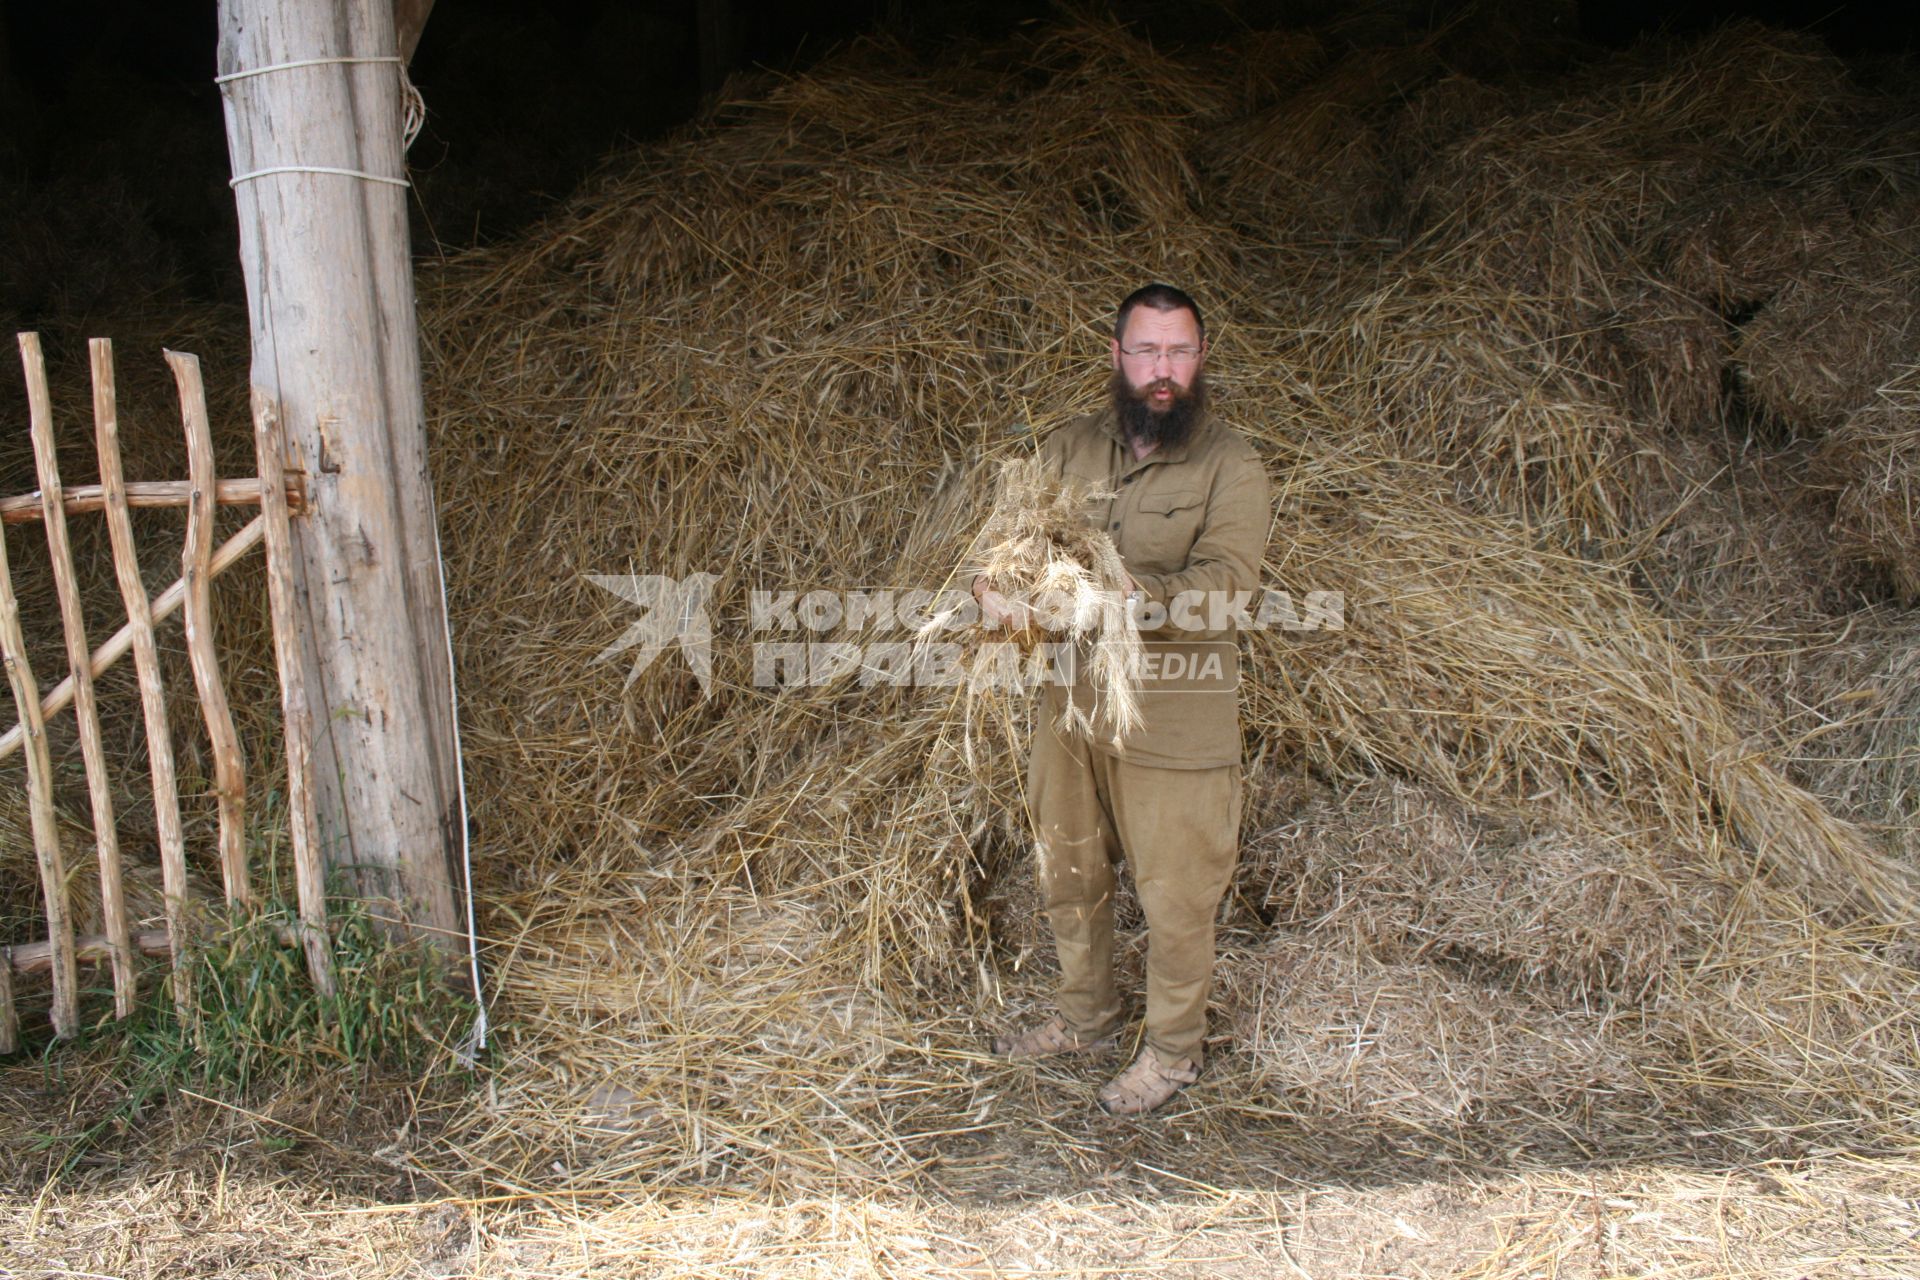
<point>1116,525</point>
<point>1126,479</point>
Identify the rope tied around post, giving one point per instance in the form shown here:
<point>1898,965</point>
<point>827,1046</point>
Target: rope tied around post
<point>413,119</point>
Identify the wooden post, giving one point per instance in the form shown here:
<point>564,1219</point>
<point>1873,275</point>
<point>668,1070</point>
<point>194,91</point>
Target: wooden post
<point>320,184</point>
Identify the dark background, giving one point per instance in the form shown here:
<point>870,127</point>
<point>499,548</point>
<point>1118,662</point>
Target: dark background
<point>113,160</point>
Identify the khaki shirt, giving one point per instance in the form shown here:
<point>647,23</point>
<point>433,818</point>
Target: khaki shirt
<point>1191,525</point>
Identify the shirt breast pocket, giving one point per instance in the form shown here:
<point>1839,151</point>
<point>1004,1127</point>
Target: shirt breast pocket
<point>1160,537</point>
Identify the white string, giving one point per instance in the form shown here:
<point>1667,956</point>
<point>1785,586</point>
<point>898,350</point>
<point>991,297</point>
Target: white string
<point>316,168</point>
<point>231,76</point>
<point>475,1041</point>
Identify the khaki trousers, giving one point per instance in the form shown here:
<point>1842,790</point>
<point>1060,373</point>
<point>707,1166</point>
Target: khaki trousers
<point>1179,831</point>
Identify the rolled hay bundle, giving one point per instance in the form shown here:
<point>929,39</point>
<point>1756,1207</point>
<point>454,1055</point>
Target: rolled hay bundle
<point>1738,543</point>
<point>1065,578</point>
<point>1512,40</point>
<point>1091,112</point>
<point>1735,247</point>
<point>1856,740</point>
<point>1551,208</point>
<point>1436,118</point>
<point>1410,874</point>
<point>1595,203</point>
<point>1307,173</point>
<point>1332,1031</point>
<point>1739,550</point>
<point>1834,335</point>
<point>1776,99</point>
<point>1874,454</point>
<point>1742,101</point>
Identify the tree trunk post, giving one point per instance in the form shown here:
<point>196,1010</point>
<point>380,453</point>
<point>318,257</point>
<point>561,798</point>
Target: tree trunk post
<point>312,92</point>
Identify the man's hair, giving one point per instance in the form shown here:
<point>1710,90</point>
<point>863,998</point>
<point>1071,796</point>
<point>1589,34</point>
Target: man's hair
<point>1157,297</point>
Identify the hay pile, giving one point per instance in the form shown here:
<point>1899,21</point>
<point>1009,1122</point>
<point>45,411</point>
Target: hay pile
<point>1533,383</point>
<point>787,348</point>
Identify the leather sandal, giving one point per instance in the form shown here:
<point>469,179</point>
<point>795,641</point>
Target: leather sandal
<point>1047,1039</point>
<point>1146,1084</point>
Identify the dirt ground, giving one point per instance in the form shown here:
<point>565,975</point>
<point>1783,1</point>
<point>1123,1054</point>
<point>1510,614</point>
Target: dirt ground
<point>210,1190</point>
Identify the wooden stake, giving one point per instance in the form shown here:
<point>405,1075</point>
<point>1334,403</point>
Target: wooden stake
<point>86,714</point>
<point>9,1018</point>
<point>46,833</point>
<point>196,559</point>
<point>146,662</point>
<point>310,872</point>
<point>165,605</point>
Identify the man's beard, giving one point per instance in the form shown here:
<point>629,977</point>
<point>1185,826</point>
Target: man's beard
<point>1168,427</point>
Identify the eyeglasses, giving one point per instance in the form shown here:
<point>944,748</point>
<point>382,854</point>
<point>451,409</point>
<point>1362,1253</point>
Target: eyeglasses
<point>1151,355</point>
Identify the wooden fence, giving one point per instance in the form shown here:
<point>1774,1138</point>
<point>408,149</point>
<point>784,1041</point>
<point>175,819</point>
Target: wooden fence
<point>279,496</point>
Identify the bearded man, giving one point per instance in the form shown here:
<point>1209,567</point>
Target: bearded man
<point>1189,513</point>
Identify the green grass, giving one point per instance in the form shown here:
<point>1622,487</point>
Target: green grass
<point>258,1024</point>
<point>257,1018</point>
